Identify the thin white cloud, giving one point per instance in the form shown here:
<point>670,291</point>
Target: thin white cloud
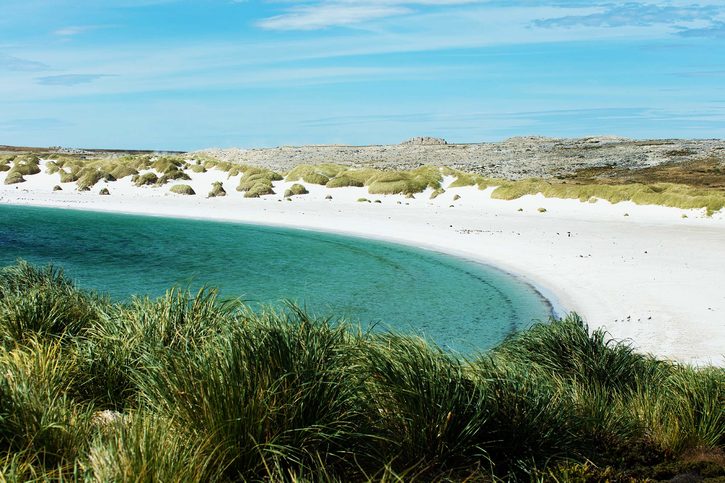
<point>73,30</point>
<point>341,13</point>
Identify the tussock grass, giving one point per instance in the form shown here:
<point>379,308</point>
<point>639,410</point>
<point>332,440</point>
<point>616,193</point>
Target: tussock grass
<point>197,168</point>
<point>404,182</point>
<point>436,193</point>
<point>182,189</point>
<point>145,179</point>
<point>14,177</point>
<point>257,182</point>
<point>217,190</point>
<point>189,387</point>
<point>315,174</point>
<point>664,194</point>
<point>343,181</point>
<point>294,190</point>
<point>88,177</point>
<point>26,165</point>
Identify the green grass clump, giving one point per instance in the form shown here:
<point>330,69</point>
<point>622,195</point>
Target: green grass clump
<point>190,387</point>
<point>197,168</point>
<point>145,179</point>
<point>172,175</point>
<point>363,200</point>
<point>120,171</point>
<point>259,190</point>
<point>315,174</point>
<point>404,182</point>
<point>343,181</point>
<point>182,189</point>
<point>168,164</point>
<point>14,177</point>
<point>26,165</point>
<point>51,167</point>
<point>294,190</point>
<point>88,177</point>
<point>665,194</point>
<point>436,193</point>
<point>68,176</point>
<point>217,189</point>
<point>257,183</point>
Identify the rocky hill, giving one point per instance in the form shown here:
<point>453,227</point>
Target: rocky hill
<point>514,158</point>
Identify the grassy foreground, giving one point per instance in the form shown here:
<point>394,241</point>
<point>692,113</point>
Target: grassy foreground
<point>192,388</point>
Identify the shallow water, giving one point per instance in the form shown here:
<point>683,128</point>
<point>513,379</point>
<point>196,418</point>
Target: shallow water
<point>459,304</point>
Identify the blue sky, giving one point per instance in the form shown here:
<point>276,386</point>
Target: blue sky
<point>182,74</point>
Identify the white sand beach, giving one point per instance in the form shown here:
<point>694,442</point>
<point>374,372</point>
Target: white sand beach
<point>644,273</point>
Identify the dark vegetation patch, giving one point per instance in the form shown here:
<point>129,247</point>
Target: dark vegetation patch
<point>189,387</point>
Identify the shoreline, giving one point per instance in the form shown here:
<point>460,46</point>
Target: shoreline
<point>546,293</point>
<point>643,273</point>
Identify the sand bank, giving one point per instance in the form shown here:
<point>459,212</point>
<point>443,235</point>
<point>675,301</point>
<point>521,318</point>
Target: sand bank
<point>644,273</point>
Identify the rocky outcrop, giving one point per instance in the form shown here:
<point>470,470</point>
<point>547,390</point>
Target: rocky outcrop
<point>514,158</point>
<point>424,141</point>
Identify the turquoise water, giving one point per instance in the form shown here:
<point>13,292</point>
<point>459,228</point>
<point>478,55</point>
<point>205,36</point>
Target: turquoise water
<point>459,304</point>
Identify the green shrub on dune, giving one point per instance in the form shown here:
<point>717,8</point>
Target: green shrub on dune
<point>258,190</point>
<point>255,171</point>
<point>120,170</point>
<point>172,175</point>
<point>436,193</point>
<point>315,174</point>
<point>88,177</point>
<point>294,190</point>
<point>168,164</point>
<point>14,177</point>
<point>182,189</point>
<point>51,167</point>
<point>190,387</point>
<point>343,181</point>
<point>315,178</point>
<point>144,179</point>
<point>68,176</point>
<point>26,166</point>
<point>404,182</point>
<point>197,168</point>
<point>257,183</point>
<point>217,190</point>
<point>5,162</point>
<point>665,194</point>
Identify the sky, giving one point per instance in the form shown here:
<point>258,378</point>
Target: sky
<point>184,75</point>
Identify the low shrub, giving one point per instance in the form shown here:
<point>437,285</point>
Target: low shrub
<point>14,177</point>
<point>26,166</point>
<point>436,193</point>
<point>120,171</point>
<point>88,177</point>
<point>217,189</point>
<point>182,189</point>
<point>145,179</point>
<point>294,190</point>
<point>259,189</point>
<point>315,174</point>
<point>343,181</point>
